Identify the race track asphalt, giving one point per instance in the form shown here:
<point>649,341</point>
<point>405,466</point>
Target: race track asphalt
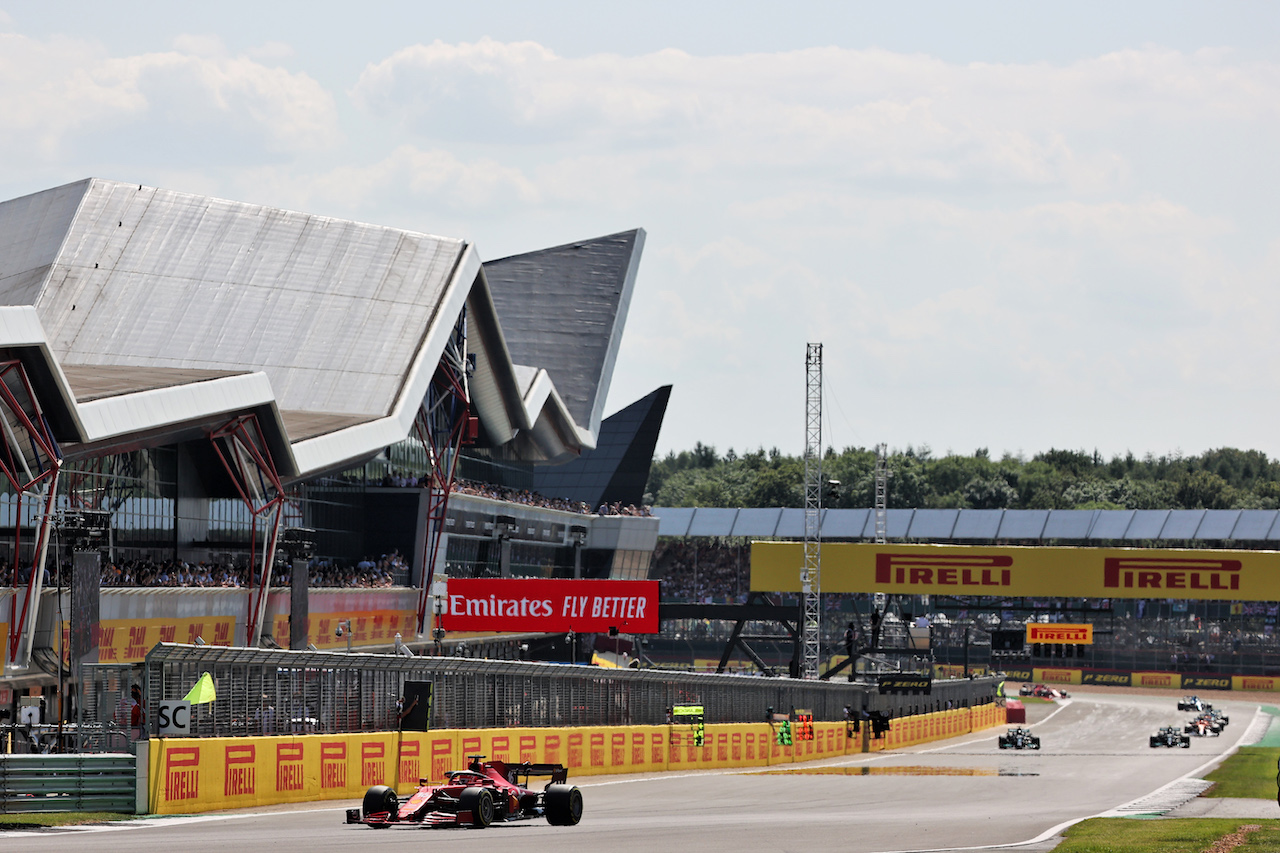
<point>961,794</point>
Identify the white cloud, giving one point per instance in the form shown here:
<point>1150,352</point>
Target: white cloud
<point>291,112</point>
<point>434,181</point>
<point>880,114</point>
<point>61,93</point>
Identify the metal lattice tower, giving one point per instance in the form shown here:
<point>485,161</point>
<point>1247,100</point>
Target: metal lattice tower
<point>882,493</point>
<point>811,572</point>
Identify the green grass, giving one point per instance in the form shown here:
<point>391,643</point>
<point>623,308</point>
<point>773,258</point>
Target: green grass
<point>22,821</point>
<point>1250,773</point>
<point>1187,835</point>
<point>1272,737</point>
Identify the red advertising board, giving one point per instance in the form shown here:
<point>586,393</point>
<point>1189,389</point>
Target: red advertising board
<point>550,605</point>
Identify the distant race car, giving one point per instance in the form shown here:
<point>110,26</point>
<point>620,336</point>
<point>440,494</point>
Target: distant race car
<point>1019,738</point>
<point>1207,724</point>
<point>483,793</point>
<point>1190,703</point>
<point>1042,691</point>
<point>1170,736</point>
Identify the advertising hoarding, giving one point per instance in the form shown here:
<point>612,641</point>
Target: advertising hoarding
<point>1023,571</point>
<point>550,605</point>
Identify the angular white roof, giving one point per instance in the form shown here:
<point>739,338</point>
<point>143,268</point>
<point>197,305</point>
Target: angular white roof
<point>150,311</point>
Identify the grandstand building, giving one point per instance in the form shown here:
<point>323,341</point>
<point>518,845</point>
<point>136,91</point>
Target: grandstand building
<point>186,378</point>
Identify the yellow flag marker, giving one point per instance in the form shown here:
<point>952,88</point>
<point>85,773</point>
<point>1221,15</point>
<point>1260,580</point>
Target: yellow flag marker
<point>203,691</point>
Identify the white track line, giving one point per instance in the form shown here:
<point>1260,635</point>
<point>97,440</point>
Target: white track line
<point>1115,812</point>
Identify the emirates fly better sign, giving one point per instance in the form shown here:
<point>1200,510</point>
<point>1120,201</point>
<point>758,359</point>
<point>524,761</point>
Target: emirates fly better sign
<point>550,605</point>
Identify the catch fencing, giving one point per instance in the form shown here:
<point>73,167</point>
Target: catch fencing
<point>268,691</point>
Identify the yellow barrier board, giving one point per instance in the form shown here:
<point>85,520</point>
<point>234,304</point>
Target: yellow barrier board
<point>1056,675</point>
<point>1254,682</point>
<point>206,774</point>
<point>203,774</point>
<point>129,640</point>
<point>1023,571</point>
<point>368,628</point>
<point>955,670</point>
<point>1156,679</point>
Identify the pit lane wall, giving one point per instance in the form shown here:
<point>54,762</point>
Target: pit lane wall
<point>206,774</point>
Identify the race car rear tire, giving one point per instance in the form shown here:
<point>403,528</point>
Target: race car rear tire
<point>1035,744</point>
<point>1004,744</point>
<point>380,798</point>
<point>1154,742</point>
<point>563,805</point>
<point>478,801</point>
<point>1186,742</point>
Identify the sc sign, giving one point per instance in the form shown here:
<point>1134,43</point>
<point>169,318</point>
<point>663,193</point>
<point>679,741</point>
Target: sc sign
<point>175,717</point>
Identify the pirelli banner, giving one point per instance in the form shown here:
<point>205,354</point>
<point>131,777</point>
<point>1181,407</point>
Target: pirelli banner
<point>1023,571</point>
<point>1060,633</point>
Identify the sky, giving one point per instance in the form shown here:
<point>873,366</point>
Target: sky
<point>1012,226</point>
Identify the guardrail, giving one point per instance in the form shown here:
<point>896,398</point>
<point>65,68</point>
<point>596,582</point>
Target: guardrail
<point>68,783</point>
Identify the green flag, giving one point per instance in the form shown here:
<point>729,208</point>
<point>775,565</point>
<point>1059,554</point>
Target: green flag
<point>203,691</point>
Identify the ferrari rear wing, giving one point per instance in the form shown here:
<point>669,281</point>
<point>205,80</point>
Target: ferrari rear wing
<point>513,772</point>
<point>557,772</point>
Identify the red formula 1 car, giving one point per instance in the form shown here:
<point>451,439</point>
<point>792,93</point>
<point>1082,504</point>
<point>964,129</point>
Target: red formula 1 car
<point>476,797</point>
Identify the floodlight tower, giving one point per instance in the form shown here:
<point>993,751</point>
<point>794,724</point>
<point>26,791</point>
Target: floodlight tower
<point>811,572</point>
<point>882,494</point>
<point>880,601</point>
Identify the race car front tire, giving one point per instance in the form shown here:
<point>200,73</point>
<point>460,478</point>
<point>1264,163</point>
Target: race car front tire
<point>563,804</point>
<point>478,801</point>
<point>380,798</point>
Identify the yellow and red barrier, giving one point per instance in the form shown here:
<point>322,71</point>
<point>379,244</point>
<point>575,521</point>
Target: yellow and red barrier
<point>205,774</point>
<point>924,728</point>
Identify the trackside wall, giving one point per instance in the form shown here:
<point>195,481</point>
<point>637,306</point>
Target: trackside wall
<point>1126,678</point>
<point>206,774</point>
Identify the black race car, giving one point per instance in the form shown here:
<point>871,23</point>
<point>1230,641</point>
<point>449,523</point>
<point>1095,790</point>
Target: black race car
<point>1170,736</point>
<point>1018,738</point>
<point>476,797</point>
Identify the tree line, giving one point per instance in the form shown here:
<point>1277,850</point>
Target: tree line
<point>1226,478</point>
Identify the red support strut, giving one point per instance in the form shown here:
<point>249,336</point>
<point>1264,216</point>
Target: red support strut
<point>247,460</point>
<point>30,459</point>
